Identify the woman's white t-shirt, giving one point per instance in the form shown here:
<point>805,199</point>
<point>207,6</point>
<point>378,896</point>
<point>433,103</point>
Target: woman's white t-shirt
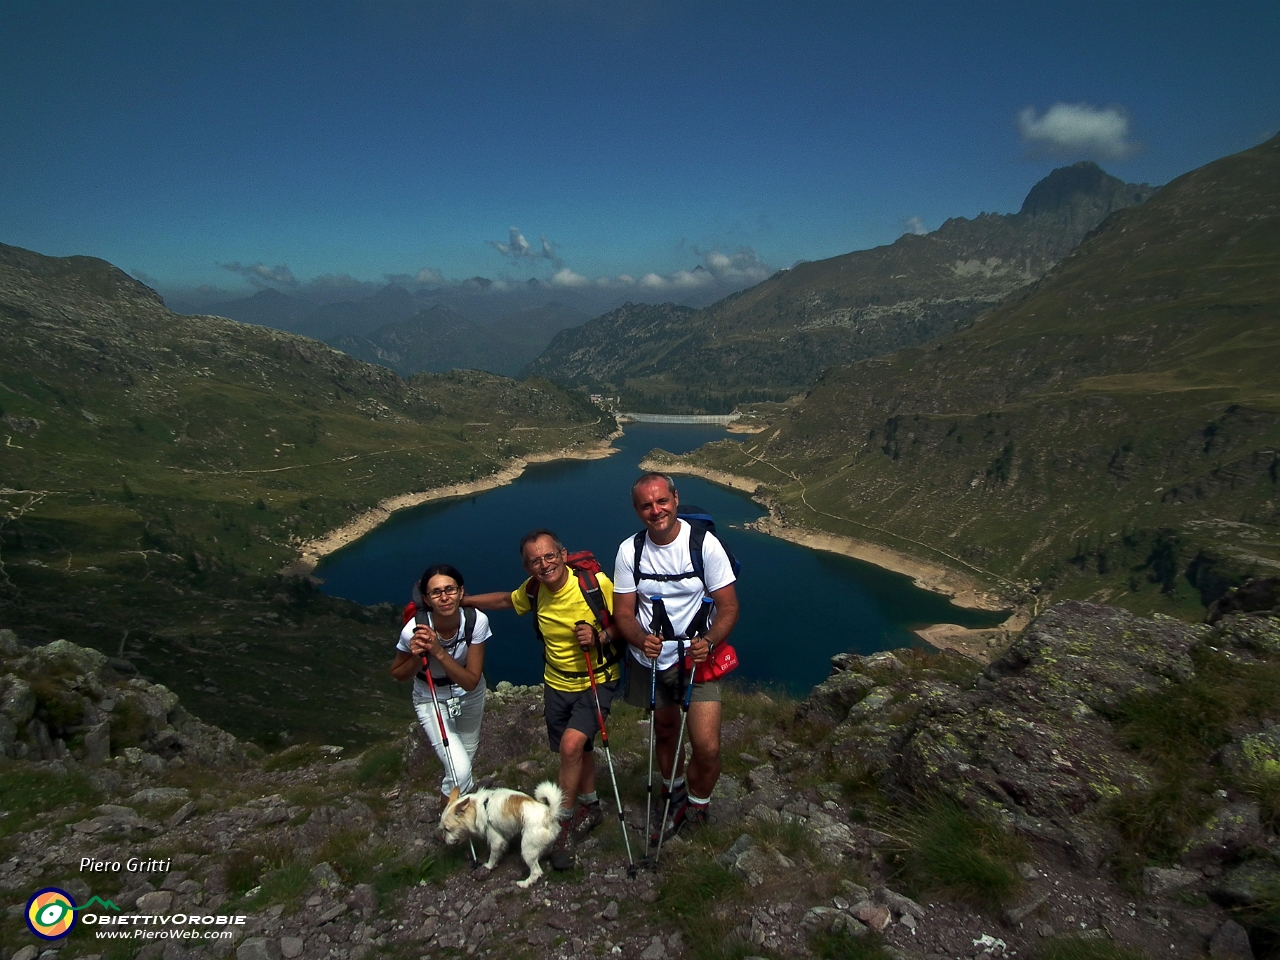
<point>455,646</point>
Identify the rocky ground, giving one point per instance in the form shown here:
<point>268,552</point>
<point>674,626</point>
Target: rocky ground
<point>334,857</point>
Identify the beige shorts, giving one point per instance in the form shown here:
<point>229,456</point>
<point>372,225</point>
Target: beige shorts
<point>667,690</point>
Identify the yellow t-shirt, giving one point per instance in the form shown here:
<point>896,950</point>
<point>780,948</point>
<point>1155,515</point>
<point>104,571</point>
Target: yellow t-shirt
<point>558,613</point>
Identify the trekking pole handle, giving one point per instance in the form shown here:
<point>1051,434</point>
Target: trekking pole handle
<point>595,635</point>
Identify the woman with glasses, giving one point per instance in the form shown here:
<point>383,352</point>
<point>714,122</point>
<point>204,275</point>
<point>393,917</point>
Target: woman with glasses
<point>448,641</point>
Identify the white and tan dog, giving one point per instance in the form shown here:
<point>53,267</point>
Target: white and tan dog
<point>499,816</point>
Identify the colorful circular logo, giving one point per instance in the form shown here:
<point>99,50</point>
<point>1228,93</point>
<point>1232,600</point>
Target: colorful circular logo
<point>51,913</point>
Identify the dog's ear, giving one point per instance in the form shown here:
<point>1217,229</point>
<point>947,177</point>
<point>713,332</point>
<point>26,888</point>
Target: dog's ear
<point>463,804</point>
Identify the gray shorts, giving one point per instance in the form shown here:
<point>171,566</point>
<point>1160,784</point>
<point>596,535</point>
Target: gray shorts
<point>667,691</point>
<point>576,711</point>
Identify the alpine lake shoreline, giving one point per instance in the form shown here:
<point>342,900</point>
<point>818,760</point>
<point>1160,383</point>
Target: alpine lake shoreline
<point>960,589</point>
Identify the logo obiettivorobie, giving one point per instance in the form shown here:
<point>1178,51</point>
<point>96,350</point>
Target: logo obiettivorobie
<point>51,913</point>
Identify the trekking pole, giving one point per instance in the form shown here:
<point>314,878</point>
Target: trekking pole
<point>684,719</point>
<point>444,737</point>
<point>653,704</point>
<point>604,740</point>
<point>675,760</point>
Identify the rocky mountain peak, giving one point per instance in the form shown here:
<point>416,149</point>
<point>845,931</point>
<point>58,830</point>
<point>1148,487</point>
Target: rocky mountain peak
<point>1083,187</point>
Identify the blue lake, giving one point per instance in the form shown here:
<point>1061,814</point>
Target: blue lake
<point>799,606</point>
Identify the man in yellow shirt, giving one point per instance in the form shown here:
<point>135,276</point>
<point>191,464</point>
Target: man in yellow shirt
<point>570,630</point>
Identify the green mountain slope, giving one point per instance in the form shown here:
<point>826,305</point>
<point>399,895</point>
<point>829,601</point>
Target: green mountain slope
<point>435,339</point>
<point>532,329</point>
<point>773,340</point>
<point>1113,430</point>
<point>158,469</point>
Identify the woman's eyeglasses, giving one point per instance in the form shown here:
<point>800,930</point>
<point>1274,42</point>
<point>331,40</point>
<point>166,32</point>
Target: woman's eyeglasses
<point>440,592</point>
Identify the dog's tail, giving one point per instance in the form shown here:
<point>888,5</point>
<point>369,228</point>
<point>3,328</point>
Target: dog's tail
<point>549,793</point>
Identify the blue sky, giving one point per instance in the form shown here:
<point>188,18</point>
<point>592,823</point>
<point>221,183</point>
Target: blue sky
<point>231,145</point>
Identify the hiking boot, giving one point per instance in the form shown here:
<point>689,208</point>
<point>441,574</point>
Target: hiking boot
<point>689,817</point>
<point>586,818</point>
<point>561,850</point>
<point>674,815</point>
<point>676,799</point>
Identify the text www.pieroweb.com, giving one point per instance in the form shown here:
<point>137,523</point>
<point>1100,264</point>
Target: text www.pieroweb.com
<point>178,926</point>
<point>141,934</point>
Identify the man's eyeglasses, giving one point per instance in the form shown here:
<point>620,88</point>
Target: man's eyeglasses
<point>546,560</point>
<point>439,592</point>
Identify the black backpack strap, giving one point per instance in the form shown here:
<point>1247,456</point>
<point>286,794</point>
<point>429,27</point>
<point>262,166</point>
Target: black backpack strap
<point>638,541</point>
<point>423,615</point>
<point>612,654</point>
<point>697,534</point>
<point>698,625</point>
<point>660,625</point>
<point>531,591</point>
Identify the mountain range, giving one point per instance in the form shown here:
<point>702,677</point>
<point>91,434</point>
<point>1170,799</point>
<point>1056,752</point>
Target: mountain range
<point>1112,431</point>
<point>772,340</point>
<point>407,332</point>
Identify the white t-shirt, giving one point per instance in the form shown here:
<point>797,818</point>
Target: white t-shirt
<point>681,598</point>
<point>455,646</point>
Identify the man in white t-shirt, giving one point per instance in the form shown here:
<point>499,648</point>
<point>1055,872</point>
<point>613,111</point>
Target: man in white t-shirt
<point>666,571</point>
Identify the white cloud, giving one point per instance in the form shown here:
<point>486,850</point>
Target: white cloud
<point>259,274</point>
<point>718,272</point>
<point>1077,130</point>
<point>518,248</point>
<point>567,278</point>
<point>914,225</point>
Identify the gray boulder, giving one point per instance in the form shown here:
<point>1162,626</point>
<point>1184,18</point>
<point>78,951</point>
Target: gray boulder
<point>17,699</point>
<point>831,699</point>
<point>1160,880</point>
<point>1097,655</point>
<point>85,660</point>
<point>1255,756</point>
<point>1249,884</point>
<point>1027,742</point>
<point>1230,830</point>
<point>97,743</point>
<point>1230,942</point>
<point>10,646</point>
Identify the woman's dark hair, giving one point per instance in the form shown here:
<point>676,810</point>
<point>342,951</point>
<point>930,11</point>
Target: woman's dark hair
<point>439,570</point>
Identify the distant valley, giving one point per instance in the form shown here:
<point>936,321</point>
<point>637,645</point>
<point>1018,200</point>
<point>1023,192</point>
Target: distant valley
<point>160,470</point>
<point>408,333</point>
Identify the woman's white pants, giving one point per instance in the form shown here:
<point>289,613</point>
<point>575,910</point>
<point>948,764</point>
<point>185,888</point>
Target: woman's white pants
<point>463,731</point>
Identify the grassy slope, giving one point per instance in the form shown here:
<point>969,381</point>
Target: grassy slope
<point>1103,430</point>
<point>159,469</point>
